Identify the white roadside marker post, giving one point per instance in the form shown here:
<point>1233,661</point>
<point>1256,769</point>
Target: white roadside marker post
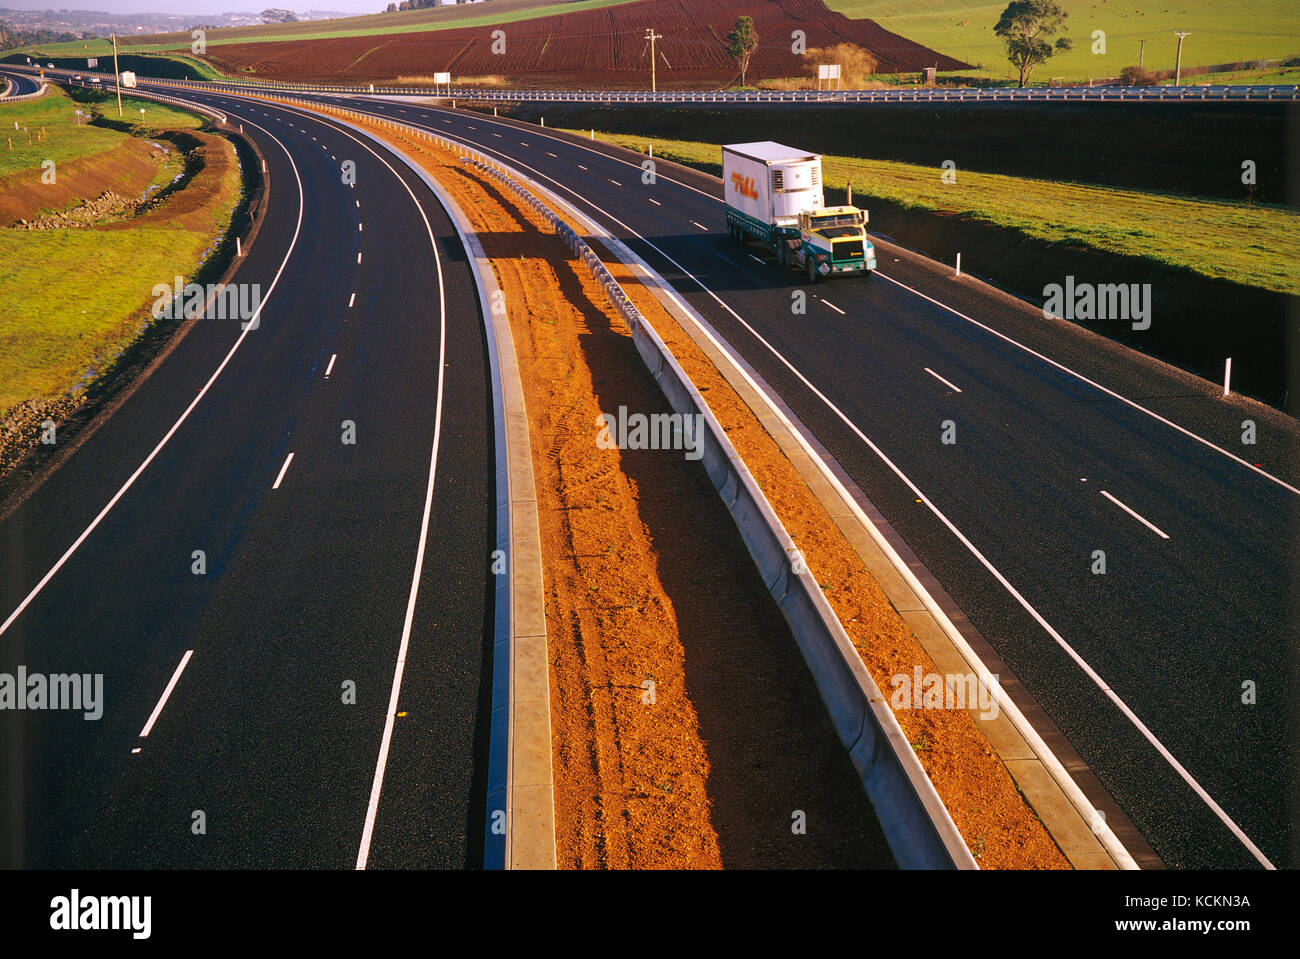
<point>959,264</point>
<point>1227,377</point>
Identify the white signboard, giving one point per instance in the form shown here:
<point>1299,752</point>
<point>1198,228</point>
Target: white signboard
<point>92,62</point>
<point>442,78</point>
<point>828,71</point>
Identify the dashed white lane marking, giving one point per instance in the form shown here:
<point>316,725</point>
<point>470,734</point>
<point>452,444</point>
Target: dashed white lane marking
<point>654,201</point>
<point>832,305</point>
<point>700,225</point>
<point>283,469</point>
<point>497,135</point>
<point>329,369</point>
<point>130,481</point>
<point>352,299</point>
<point>359,228</point>
<point>581,167</point>
<point>550,154</point>
<point>157,710</point>
<point>942,380</point>
<point>1145,522</point>
<point>756,259</point>
<point>358,256</point>
<point>615,182</point>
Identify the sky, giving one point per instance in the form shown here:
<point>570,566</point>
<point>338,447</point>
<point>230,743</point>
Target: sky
<point>198,7</point>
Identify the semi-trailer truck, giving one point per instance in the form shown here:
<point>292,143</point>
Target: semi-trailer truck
<point>128,78</point>
<point>773,194</point>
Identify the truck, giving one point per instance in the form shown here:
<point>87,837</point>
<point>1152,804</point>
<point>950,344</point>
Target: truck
<point>773,194</point>
<point>128,78</point>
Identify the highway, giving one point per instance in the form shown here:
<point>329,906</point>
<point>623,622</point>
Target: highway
<point>228,738</point>
<point>1065,444</point>
<point>24,84</point>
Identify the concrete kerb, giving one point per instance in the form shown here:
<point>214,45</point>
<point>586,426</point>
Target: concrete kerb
<point>1082,832</point>
<point>864,749</point>
<point>1075,823</point>
<point>520,826</point>
<point>918,828</point>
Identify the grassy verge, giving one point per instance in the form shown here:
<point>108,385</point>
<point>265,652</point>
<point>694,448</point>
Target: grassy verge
<point>75,298</point>
<point>1251,244</point>
<point>1223,31</point>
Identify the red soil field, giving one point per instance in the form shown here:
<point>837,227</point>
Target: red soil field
<point>594,48</point>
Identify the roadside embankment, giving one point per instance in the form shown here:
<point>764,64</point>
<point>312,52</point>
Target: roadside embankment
<point>1219,278</point>
<point>613,536</point>
<point>686,732</point>
<point>117,210</point>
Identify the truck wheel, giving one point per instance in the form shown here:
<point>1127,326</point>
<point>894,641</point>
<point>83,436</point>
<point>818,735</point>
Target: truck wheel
<point>812,270</point>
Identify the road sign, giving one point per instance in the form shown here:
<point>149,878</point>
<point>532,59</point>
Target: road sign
<point>92,62</point>
<point>828,71</point>
<point>442,78</point>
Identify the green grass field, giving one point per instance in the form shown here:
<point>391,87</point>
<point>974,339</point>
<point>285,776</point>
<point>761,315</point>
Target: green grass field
<point>1250,244</point>
<point>412,21</point>
<point>66,140</point>
<point>1223,31</point>
<point>74,297</point>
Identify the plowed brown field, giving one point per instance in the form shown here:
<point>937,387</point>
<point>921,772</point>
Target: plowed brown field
<point>594,48</point>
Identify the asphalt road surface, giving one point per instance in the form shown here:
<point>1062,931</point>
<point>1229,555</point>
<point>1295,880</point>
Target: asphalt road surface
<point>1173,672</point>
<point>323,559</point>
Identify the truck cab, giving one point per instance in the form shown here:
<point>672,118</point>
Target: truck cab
<point>834,240</point>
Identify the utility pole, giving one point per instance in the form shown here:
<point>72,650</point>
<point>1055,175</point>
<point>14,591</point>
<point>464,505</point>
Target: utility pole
<point>652,37</point>
<point>117,77</point>
<point>1178,64</point>
<point>1142,45</point>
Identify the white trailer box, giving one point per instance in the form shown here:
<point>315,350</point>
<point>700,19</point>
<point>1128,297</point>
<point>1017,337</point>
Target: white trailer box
<point>770,184</point>
<point>128,78</point>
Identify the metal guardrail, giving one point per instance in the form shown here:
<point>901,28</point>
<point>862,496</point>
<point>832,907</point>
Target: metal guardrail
<point>39,92</point>
<point>923,95</point>
<point>917,826</point>
<point>1091,94</point>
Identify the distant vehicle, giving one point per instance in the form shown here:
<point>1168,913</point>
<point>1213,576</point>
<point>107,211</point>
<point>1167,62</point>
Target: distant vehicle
<point>774,195</point>
<point>128,78</point>
<point>76,76</point>
<point>94,80</point>
<point>50,65</point>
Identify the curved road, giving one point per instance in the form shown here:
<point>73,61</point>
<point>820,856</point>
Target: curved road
<point>1171,673</point>
<point>322,558</point>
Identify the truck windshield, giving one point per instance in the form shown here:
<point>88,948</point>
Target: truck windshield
<point>838,219</point>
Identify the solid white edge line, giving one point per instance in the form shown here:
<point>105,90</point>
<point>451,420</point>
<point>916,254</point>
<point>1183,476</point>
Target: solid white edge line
<point>1095,385</point>
<point>1002,580</point>
<point>381,763</point>
<point>1030,350</point>
<point>1131,512</point>
<point>130,481</point>
<point>157,710</point>
<point>955,389</point>
<point>283,469</point>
